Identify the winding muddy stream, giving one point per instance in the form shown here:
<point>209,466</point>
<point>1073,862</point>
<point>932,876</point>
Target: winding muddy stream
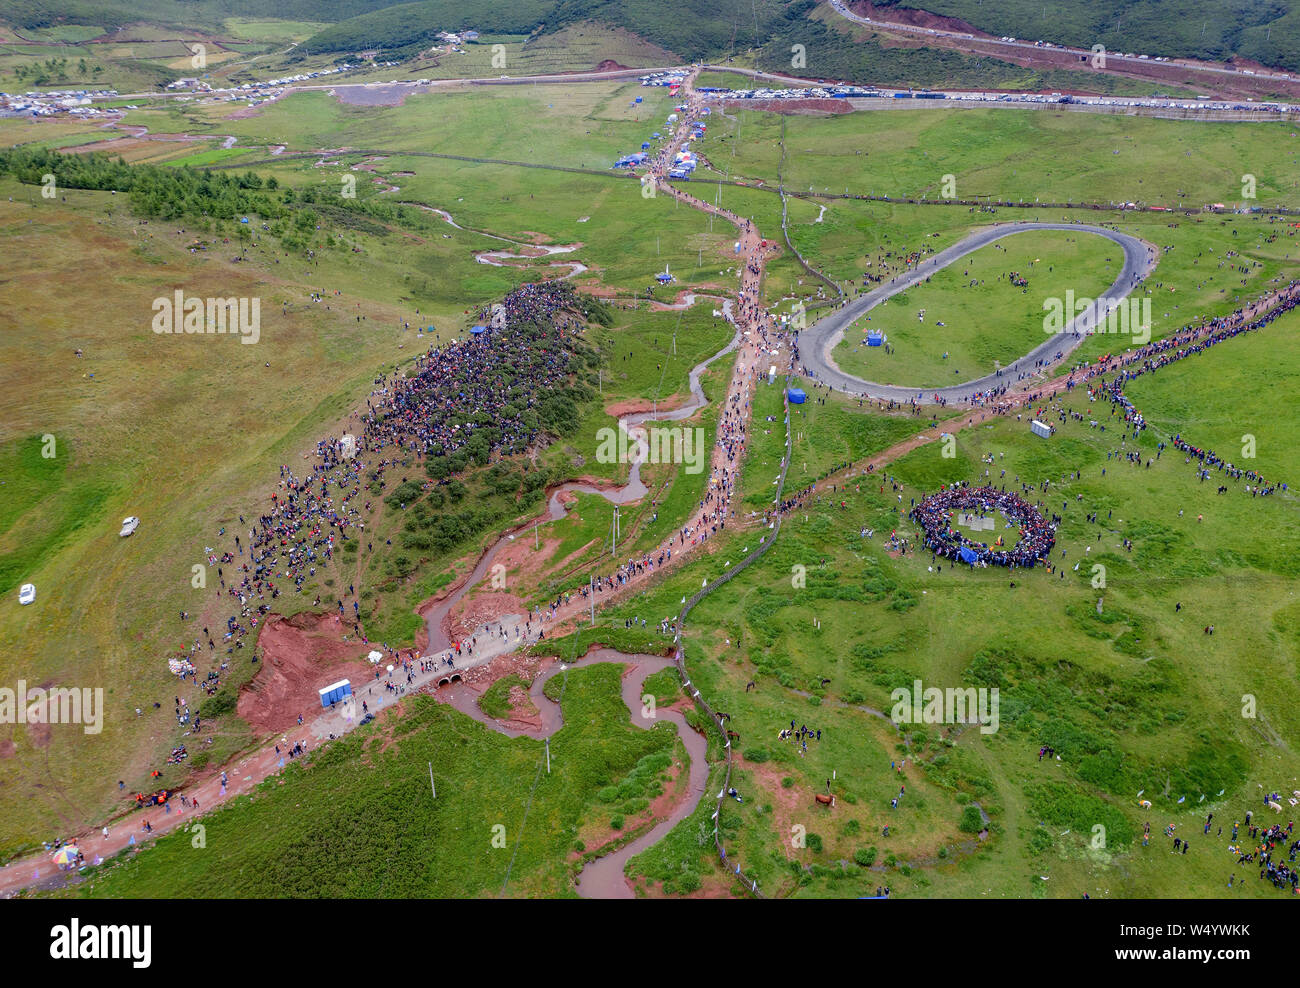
<point>633,427</point>
<point>602,878</point>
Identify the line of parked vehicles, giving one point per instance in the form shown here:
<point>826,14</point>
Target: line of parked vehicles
<point>962,96</point>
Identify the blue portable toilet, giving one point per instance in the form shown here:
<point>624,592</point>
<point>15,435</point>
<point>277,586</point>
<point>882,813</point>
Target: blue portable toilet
<point>335,692</point>
<point>478,330</point>
<point>796,396</point>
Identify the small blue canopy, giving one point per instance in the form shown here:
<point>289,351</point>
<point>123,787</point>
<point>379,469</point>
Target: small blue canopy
<point>796,396</point>
<point>479,330</point>
<point>968,555</point>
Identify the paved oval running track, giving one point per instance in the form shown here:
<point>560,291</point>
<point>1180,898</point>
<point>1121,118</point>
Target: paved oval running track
<point>818,340</point>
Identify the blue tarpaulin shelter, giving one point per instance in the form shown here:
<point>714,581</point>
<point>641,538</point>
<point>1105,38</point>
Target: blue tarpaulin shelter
<point>479,330</point>
<point>797,397</point>
<point>967,554</point>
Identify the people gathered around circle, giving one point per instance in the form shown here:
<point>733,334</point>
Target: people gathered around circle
<point>935,516</point>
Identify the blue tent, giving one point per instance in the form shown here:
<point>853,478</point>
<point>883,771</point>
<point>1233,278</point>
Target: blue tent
<point>875,338</point>
<point>479,330</point>
<point>796,396</point>
<point>968,555</point>
<point>638,99</point>
<point>644,145</point>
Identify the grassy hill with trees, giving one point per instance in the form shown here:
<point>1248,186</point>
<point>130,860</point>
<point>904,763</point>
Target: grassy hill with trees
<point>1263,32</point>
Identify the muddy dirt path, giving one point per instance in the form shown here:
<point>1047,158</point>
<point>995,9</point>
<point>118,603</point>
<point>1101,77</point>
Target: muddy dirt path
<point>633,428</point>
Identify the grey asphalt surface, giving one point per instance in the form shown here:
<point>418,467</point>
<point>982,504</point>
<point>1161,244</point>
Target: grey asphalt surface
<point>818,340</point>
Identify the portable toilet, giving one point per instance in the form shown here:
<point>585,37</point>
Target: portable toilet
<point>796,396</point>
<point>1041,429</point>
<point>335,692</point>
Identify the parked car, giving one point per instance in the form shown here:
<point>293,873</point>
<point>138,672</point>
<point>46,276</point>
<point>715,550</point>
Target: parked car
<point>27,593</point>
<point>129,525</point>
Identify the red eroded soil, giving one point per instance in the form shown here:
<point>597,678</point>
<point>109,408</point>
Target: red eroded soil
<point>299,655</point>
<point>635,406</point>
<point>525,564</point>
<point>609,65</point>
<point>474,611</point>
<point>918,18</point>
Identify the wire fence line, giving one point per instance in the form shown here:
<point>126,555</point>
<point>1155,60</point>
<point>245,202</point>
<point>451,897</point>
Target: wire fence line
<point>680,656</point>
<point>785,220</point>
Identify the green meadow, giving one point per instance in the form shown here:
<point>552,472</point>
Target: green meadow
<point>1128,688</point>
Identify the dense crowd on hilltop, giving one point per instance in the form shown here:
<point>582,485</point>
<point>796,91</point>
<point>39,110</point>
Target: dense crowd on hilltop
<point>508,386</point>
<point>934,515</point>
<point>496,386</point>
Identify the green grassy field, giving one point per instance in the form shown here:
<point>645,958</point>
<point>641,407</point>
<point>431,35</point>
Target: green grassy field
<point>1059,157</point>
<point>505,830</point>
<point>988,321</point>
<point>1133,694</point>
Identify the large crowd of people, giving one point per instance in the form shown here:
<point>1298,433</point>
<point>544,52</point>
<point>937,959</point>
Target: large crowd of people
<point>433,409</point>
<point>934,516</point>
